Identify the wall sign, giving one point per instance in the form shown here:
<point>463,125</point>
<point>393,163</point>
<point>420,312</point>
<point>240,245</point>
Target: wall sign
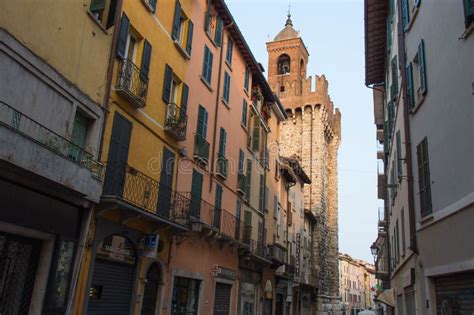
<point>151,245</point>
<point>222,272</point>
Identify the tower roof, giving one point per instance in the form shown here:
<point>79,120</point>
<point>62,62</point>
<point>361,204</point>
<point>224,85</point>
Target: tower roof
<point>288,32</point>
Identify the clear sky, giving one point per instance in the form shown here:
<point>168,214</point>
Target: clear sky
<point>333,31</point>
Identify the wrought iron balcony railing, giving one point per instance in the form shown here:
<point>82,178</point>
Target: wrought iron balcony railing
<point>222,166</point>
<point>277,253</point>
<point>201,148</point>
<point>176,122</point>
<point>131,83</point>
<point>257,247</point>
<point>31,129</point>
<point>241,184</point>
<point>124,182</point>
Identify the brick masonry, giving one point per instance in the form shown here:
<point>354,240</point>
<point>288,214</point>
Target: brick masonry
<point>312,132</point>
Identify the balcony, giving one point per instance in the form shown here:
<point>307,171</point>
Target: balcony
<point>34,147</point>
<point>278,254</point>
<point>131,84</point>
<point>201,149</point>
<point>221,166</point>
<point>141,195</point>
<point>176,122</point>
<point>257,247</point>
<point>241,184</point>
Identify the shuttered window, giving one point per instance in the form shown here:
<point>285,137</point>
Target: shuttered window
<point>422,67</point>
<point>394,86</point>
<point>146,56</point>
<point>176,21</point>
<point>207,65</point>
<point>399,154</point>
<point>218,33</point>
<point>244,113</point>
<point>468,11</point>
<point>79,130</point>
<point>417,3</point>
<point>241,161</point>
<point>256,133</point>
<point>189,38</point>
<point>389,32</point>
<point>403,232</point>
<point>152,4</point>
<point>226,87</point>
<point>230,48</point>
<point>248,177</point>
<point>196,193</point>
<point>261,192</point>
<point>184,99</point>
<point>201,128</point>
<point>222,142</point>
<point>123,34</point>
<point>247,78</point>
<point>167,84</point>
<point>410,88</point>
<point>424,181</point>
<point>397,242</point>
<point>405,14</point>
<point>218,201</point>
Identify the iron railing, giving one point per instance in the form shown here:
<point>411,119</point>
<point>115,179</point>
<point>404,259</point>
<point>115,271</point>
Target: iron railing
<point>33,130</point>
<point>257,247</point>
<point>241,183</point>
<point>201,148</point>
<point>131,83</point>
<point>222,166</point>
<point>176,121</point>
<point>277,253</point>
<point>129,184</point>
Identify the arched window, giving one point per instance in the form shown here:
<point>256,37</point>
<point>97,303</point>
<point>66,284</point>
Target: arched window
<point>283,64</point>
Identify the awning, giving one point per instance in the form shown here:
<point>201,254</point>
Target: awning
<point>387,297</point>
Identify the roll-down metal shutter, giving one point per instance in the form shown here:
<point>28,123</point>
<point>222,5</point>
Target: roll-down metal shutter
<point>455,294</point>
<point>222,299</point>
<point>115,281</point>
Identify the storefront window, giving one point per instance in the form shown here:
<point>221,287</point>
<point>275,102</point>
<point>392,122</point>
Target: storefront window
<point>185,296</point>
<point>247,296</point>
<point>61,275</point>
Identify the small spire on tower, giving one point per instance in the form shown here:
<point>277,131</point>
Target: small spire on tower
<point>288,20</point>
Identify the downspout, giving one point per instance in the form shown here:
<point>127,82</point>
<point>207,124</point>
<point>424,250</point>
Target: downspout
<point>219,79</point>
<point>406,117</point>
<point>110,71</point>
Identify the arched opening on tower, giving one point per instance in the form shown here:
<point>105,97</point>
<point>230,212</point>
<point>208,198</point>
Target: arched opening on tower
<point>283,64</point>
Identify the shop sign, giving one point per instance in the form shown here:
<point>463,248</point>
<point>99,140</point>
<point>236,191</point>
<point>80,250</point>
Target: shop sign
<point>223,272</point>
<point>151,245</point>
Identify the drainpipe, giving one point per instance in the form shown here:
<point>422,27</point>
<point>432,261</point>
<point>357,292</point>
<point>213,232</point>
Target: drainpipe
<point>406,117</point>
<point>110,70</point>
<point>219,79</point>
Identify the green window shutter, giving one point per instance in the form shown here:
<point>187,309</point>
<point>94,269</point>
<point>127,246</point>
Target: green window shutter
<point>405,14</point>
<point>111,14</point>
<point>97,5</point>
<point>146,56</point>
<point>189,38</point>
<point>176,21</point>
<point>207,21</point>
<point>389,32</point>
<point>261,192</point>
<point>469,11</point>
<point>394,88</point>
<point>244,113</point>
<point>200,122</point>
<point>246,82</point>
<point>424,178</point>
<point>79,130</point>
<point>207,65</point>
<point>218,203</point>
<point>230,47</point>
<point>226,87</point>
<point>167,84</point>
<point>256,133</point>
<point>417,3</point>
<point>249,177</point>
<point>403,232</point>
<point>218,34</point>
<point>122,41</point>
<point>184,98</point>
<point>410,88</point>
<point>390,119</point>
<point>392,7</point>
<point>241,161</point>
<point>399,154</point>
<point>152,4</point>
<point>196,193</point>
<point>222,141</point>
<point>248,218</point>
<point>422,64</point>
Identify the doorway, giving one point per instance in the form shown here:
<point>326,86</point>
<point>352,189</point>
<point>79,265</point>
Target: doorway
<point>150,294</point>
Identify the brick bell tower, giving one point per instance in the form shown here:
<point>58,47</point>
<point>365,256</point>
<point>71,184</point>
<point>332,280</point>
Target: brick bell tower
<point>312,132</point>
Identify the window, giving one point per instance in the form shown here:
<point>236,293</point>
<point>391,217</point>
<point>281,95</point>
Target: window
<point>244,113</point>
<point>185,296</point>
<point>226,95</point>
<point>397,241</point>
<point>79,136</point>
<point>182,32</point>
<point>403,232</point>
<point>213,26</point>
<point>196,193</point>
<point>283,65</point>
<point>247,78</point>
<point>262,193</point>
<point>424,181</point>
<point>230,47</point>
<point>410,303</point>
<point>207,65</point>
<point>172,86</point>
<point>256,133</point>
<point>405,14</point>
<point>241,161</point>
<point>399,154</point>
<point>218,201</point>
<point>248,177</point>
<point>410,88</point>
<point>104,11</point>
<point>468,12</point>
<point>394,86</point>
<point>419,74</point>
<point>277,169</point>
<point>150,4</point>
<point>222,142</point>
<point>201,128</point>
